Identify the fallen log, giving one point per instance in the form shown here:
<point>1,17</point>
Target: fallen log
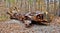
<point>27,20</point>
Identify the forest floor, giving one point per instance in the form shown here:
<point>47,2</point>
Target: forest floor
<point>15,26</point>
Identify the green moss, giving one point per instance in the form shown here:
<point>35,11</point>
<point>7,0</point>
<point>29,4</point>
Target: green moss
<point>4,17</point>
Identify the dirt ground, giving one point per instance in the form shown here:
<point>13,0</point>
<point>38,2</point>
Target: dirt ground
<point>15,26</point>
